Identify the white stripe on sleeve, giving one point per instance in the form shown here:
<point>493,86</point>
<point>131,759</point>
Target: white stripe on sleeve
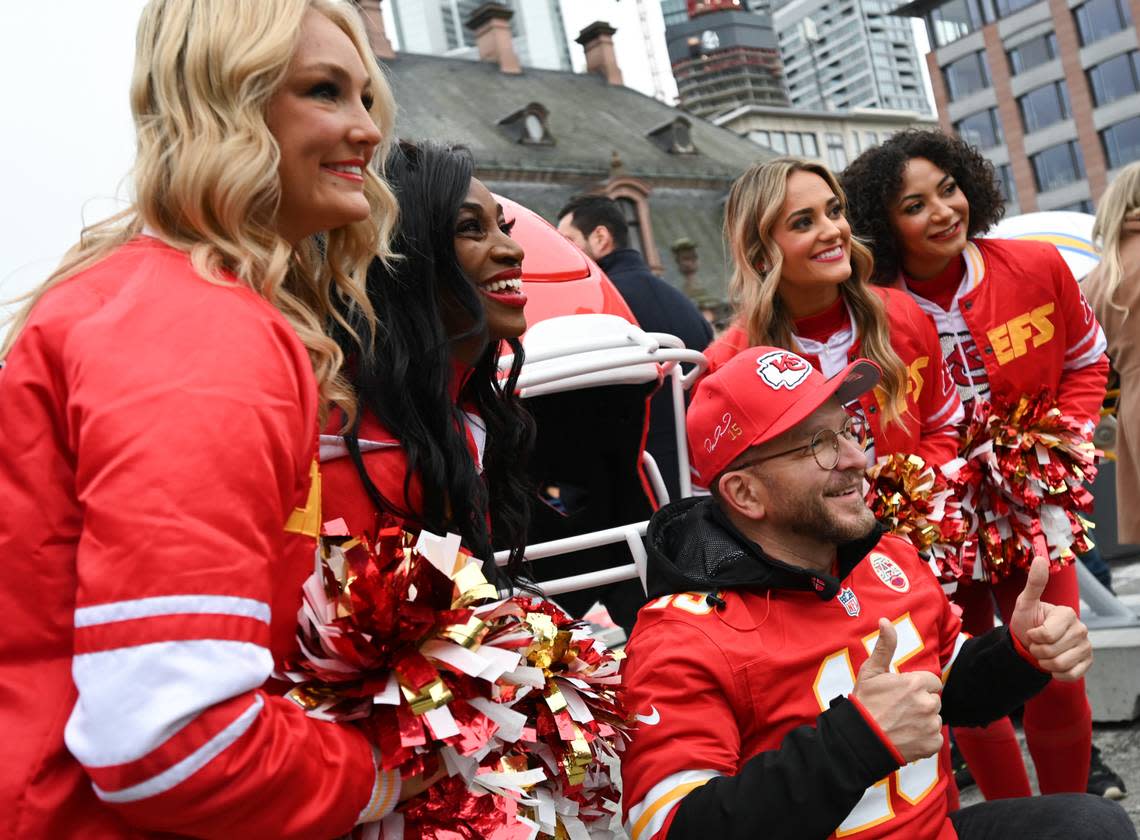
<point>647,817</point>
<point>172,605</point>
<point>188,766</point>
<point>961,640</point>
<point>132,699</point>
<point>1090,356</point>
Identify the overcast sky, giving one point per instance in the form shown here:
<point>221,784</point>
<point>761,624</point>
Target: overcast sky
<point>66,140</point>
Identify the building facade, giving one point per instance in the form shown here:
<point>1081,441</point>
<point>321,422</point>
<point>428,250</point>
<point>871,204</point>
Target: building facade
<point>834,138</point>
<point>724,59</point>
<point>1049,90</point>
<point>674,11</point>
<point>436,27</point>
<point>541,136</point>
<point>845,54</point>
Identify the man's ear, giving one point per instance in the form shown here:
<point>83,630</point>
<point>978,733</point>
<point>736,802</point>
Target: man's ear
<point>601,240</point>
<point>744,494</point>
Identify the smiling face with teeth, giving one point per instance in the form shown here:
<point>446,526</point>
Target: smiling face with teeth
<point>814,237</point>
<point>492,262</point>
<point>931,217</point>
<point>320,119</point>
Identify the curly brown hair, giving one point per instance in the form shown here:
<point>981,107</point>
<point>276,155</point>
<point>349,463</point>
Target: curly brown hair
<point>873,181</point>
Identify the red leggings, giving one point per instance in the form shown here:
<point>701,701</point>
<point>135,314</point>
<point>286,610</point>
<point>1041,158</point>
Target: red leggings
<point>1058,721</point>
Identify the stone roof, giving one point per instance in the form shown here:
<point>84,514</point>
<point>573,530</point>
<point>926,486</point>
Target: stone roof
<point>458,100</point>
<point>676,212</point>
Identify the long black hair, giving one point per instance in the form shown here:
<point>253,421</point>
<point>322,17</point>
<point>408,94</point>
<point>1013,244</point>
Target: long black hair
<point>873,181</point>
<point>405,377</point>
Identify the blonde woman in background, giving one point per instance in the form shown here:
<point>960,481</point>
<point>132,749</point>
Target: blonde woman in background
<point>159,406</point>
<point>1113,290</point>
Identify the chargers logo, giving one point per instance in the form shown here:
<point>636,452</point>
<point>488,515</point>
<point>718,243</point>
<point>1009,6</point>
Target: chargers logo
<point>889,572</point>
<point>849,601</point>
<point>781,369</point>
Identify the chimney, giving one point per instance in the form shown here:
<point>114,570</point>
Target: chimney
<point>374,28</point>
<point>491,23</point>
<point>598,42</point>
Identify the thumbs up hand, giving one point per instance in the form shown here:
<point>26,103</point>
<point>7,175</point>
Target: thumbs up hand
<point>905,706</point>
<point>1053,635</point>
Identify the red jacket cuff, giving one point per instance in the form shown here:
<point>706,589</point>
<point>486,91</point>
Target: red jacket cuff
<point>1024,653</point>
<point>874,724</point>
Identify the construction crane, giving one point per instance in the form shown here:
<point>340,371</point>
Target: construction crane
<point>650,50</point>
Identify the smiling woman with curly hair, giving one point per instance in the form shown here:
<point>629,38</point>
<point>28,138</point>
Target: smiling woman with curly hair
<point>874,179</point>
<point>1012,321</point>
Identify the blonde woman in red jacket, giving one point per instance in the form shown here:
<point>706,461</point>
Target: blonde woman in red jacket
<point>799,279</point>
<point>159,405</point>
<point>1012,321</point>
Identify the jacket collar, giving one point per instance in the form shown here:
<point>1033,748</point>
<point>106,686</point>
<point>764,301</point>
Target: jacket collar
<point>623,259</point>
<point>694,546</point>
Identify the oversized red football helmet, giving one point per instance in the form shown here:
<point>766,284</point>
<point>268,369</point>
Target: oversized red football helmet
<point>588,376</point>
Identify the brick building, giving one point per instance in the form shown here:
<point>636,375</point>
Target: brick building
<point>1049,90</point>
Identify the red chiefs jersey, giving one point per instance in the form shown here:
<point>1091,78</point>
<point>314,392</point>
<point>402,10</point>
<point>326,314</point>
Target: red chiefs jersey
<point>1019,323</point>
<point>715,687</point>
<point>928,425</point>
<point>160,504</point>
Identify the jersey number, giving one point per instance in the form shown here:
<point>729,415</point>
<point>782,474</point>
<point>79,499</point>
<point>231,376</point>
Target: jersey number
<point>912,782</point>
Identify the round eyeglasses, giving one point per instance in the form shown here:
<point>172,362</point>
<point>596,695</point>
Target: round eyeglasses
<point>824,446</point>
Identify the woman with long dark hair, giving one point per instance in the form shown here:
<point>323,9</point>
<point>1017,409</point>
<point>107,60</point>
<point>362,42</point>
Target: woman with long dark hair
<point>441,441</point>
<point>1012,322</point>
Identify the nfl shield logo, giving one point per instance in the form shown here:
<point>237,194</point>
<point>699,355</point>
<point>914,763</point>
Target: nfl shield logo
<point>849,601</point>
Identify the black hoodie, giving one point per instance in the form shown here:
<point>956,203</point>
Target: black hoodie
<point>808,786</point>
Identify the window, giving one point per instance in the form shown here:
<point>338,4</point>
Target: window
<point>1116,78</point>
<point>1008,7</point>
<point>1058,165</point>
<point>836,152</point>
<point>1098,19</point>
<point>761,138</point>
<point>1044,106</point>
<point>951,20</point>
<point>633,222</point>
<point>811,148</point>
<point>966,75</point>
<point>1005,183</point>
<point>1084,206</point>
<point>982,129</point>
<point>1122,142</point>
<point>779,143</point>
<point>795,144</point>
<point>870,138</point>
<point>1030,54</point>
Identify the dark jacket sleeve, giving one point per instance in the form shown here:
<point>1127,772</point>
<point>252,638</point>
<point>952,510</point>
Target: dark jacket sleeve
<point>988,680</point>
<point>801,791</point>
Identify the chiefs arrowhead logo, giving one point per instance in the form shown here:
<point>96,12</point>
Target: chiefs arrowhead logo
<point>889,572</point>
<point>781,369</point>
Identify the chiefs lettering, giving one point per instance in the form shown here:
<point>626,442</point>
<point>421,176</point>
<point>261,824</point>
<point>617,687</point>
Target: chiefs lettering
<point>1010,340</point>
<point>914,379</point>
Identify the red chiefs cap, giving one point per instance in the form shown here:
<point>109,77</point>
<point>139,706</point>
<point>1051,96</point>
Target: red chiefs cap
<point>758,394</point>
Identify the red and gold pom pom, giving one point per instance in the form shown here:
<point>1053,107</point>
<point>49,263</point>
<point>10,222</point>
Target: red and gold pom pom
<point>917,502</point>
<point>516,700</point>
<point>1023,481</point>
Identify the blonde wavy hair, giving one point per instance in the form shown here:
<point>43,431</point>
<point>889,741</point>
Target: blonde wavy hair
<point>205,174</point>
<point>1119,205</point>
<point>752,211</point>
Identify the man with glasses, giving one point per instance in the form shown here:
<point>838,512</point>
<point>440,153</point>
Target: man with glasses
<point>793,668</point>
